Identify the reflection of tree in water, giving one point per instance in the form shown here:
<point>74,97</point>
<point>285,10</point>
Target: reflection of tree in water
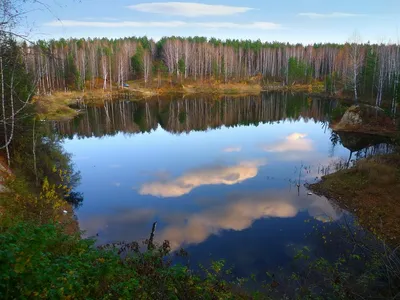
<point>194,114</point>
<point>30,148</point>
<point>360,146</point>
<point>335,139</point>
<point>378,149</point>
<point>37,153</point>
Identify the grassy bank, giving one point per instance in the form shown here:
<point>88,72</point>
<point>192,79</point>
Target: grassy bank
<point>190,87</point>
<point>371,191</point>
<point>57,106</point>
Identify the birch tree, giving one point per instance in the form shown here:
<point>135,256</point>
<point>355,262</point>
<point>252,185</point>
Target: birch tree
<point>340,67</point>
<point>356,59</point>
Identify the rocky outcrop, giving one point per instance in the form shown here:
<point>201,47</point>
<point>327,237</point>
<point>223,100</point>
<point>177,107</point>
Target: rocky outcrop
<point>352,117</point>
<point>365,118</point>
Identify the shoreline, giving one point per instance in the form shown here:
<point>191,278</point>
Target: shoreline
<point>57,106</point>
<point>369,191</point>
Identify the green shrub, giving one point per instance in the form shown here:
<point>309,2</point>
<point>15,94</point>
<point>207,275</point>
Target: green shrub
<point>44,262</point>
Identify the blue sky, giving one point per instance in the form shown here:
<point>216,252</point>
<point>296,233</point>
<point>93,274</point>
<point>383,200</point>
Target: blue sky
<point>305,21</point>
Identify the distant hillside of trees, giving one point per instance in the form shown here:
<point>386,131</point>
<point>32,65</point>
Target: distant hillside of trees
<point>366,70</point>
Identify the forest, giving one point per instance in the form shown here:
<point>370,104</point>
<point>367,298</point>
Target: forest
<point>367,71</point>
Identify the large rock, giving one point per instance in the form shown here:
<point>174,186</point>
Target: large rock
<point>352,117</point>
<point>359,115</point>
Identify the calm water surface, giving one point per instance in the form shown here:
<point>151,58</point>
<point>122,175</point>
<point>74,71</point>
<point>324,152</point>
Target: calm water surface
<point>219,176</point>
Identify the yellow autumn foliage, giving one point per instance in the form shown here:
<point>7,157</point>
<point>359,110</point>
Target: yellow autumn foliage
<point>47,206</point>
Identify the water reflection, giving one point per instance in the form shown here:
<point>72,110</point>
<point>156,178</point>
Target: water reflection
<point>232,149</point>
<point>215,175</point>
<point>212,173</point>
<point>194,113</point>
<point>237,212</point>
<point>361,145</point>
<point>291,143</point>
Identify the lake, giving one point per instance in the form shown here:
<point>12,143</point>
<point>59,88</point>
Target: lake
<point>219,176</point>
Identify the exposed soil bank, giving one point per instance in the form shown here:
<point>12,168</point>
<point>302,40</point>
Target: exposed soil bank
<point>371,191</point>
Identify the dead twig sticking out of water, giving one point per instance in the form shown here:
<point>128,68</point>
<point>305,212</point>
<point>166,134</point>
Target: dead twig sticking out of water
<point>298,183</point>
<point>150,246</point>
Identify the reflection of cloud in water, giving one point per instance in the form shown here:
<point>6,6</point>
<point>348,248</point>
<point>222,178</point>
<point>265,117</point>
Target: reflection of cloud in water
<point>293,142</point>
<point>232,149</point>
<point>207,176</point>
<point>239,213</point>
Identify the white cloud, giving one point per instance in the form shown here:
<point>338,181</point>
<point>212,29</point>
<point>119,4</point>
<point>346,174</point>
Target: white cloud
<point>208,176</point>
<point>294,142</point>
<point>330,15</point>
<point>105,19</point>
<point>74,23</point>
<point>230,25</point>
<point>169,24</point>
<point>232,149</point>
<point>110,19</point>
<point>189,9</point>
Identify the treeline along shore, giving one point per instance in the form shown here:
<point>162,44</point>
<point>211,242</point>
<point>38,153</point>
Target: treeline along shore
<point>366,71</point>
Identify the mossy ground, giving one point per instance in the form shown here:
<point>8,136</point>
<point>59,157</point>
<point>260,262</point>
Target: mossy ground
<point>371,191</point>
<point>57,105</point>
